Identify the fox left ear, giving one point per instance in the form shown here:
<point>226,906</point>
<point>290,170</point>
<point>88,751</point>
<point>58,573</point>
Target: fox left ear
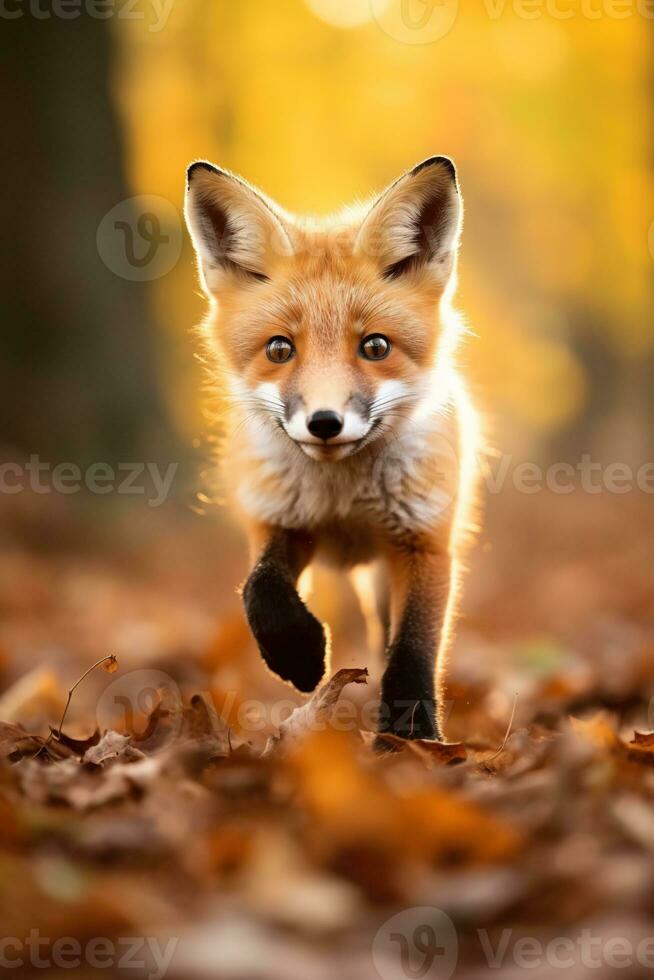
<point>414,226</point>
<point>237,231</point>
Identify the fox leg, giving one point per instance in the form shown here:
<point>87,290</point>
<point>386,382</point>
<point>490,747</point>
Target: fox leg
<point>291,640</point>
<point>420,584</point>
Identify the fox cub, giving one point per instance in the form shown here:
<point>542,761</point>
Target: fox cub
<point>348,434</point>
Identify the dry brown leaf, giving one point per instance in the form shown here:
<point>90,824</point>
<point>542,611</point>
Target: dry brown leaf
<point>15,742</point>
<point>316,714</point>
<point>641,748</point>
<point>83,787</point>
<point>446,753</point>
<point>112,745</point>
<point>204,727</point>
<point>76,745</point>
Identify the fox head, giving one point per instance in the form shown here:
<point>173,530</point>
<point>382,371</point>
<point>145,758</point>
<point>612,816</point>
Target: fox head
<point>334,332</point>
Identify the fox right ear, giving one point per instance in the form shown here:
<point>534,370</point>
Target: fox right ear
<point>414,227</point>
<point>236,230</point>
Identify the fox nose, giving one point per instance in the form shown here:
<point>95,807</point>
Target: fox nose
<point>325,424</point>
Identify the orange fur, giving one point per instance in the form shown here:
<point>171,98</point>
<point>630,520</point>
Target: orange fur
<point>397,487</point>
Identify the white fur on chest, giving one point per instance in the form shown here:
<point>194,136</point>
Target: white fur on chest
<point>410,482</point>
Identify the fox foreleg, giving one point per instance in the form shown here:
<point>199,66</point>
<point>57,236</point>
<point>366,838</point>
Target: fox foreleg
<point>420,581</point>
<point>291,640</point>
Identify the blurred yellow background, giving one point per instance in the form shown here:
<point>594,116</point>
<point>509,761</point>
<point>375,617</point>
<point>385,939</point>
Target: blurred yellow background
<point>547,116</point>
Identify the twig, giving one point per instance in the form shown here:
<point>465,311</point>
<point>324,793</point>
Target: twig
<point>508,732</point>
<point>111,659</point>
<point>413,717</point>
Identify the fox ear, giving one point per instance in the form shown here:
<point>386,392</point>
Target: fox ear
<point>414,226</point>
<point>236,231</point>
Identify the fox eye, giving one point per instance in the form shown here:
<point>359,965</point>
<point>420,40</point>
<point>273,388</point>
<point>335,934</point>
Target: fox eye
<point>375,347</point>
<point>279,350</point>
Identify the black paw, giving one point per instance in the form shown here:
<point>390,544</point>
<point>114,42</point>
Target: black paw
<point>408,707</point>
<point>409,720</point>
<point>290,638</point>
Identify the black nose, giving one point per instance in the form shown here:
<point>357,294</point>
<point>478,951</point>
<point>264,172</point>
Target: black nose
<point>325,424</point>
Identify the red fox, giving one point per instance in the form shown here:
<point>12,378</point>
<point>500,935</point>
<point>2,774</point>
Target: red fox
<point>349,436</point>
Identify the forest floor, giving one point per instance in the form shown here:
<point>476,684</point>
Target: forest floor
<point>196,818</point>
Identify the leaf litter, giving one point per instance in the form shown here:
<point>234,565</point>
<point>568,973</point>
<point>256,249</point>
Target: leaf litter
<point>281,851</point>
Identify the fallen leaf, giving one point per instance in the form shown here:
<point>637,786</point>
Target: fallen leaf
<point>446,753</point>
<point>204,727</point>
<point>316,714</point>
<point>112,745</point>
<point>77,745</point>
<point>15,742</point>
<point>82,787</point>
<point>641,748</point>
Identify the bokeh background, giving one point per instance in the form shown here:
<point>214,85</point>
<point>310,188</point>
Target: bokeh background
<point>548,118</point>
